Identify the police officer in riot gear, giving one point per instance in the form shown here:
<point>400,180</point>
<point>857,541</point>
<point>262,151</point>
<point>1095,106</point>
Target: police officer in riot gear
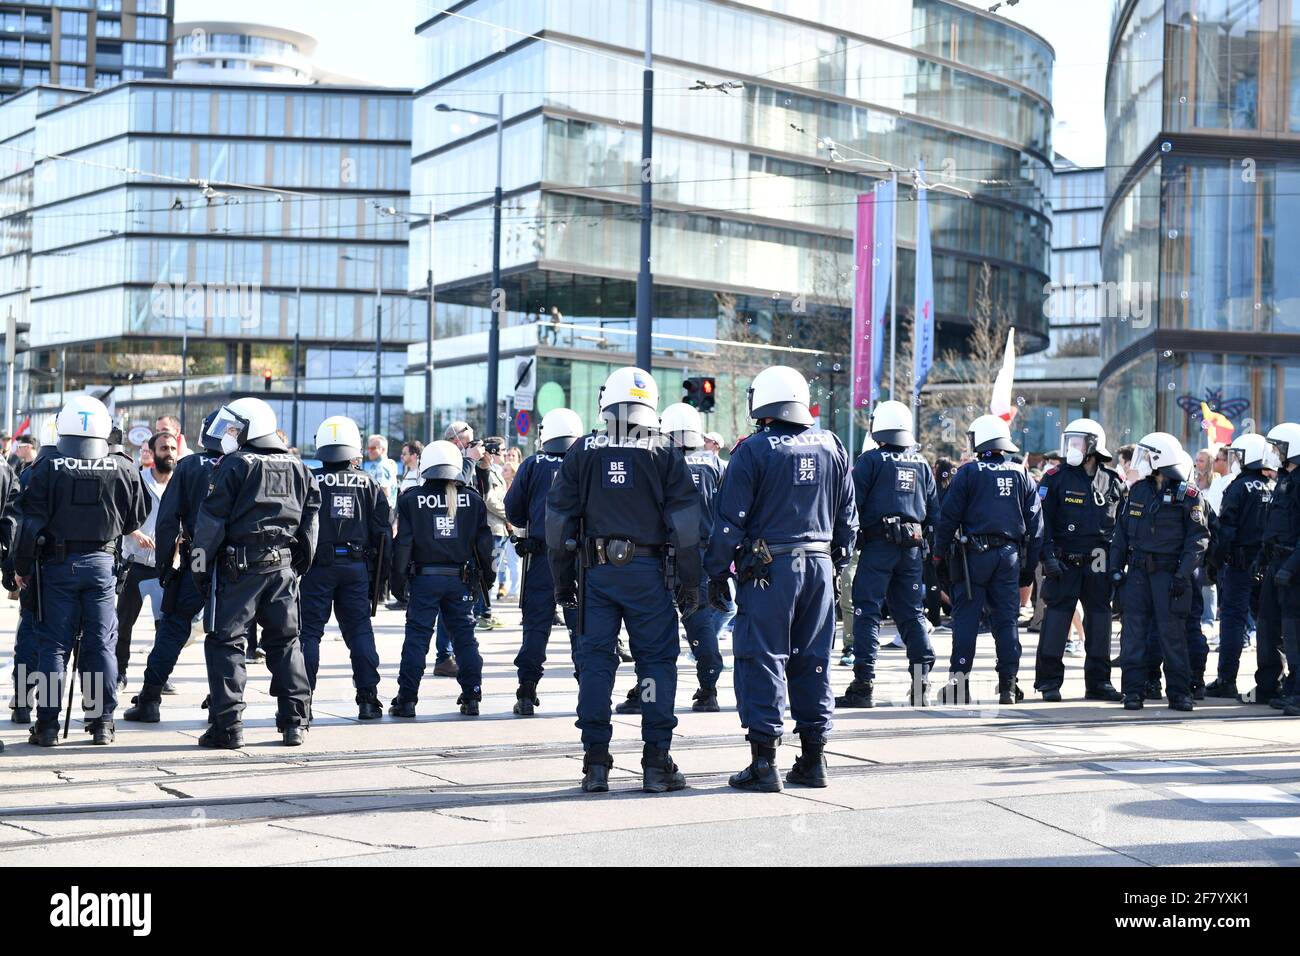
<point>526,508</point>
<point>681,425</point>
<point>1160,538</point>
<point>441,562</point>
<point>354,541</point>
<point>1279,565</point>
<point>76,506</point>
<point>178,513</point>
<point>619,499</point>
<point>991,522</point>
<point>25,643</point>
<point>1080,500</point>
<point>786,516</point>
<point>897,506</point>
<point>255,535</point>
<point>1238,543</point>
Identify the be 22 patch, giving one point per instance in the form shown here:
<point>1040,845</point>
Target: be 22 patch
<point>618,473</point>
<point>905,480</point>
<point>806,469</point>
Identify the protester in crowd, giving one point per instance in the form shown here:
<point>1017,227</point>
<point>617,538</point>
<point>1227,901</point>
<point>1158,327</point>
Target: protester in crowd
<point>411,452</point>
<point>24,453</point>
<point>380,467</point>
<point>172,424</point>
<point>462,436</point>
<point>492,486</point>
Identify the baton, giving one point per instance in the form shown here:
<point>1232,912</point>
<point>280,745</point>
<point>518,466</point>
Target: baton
<point>76,664</point>
<point>378,583</point>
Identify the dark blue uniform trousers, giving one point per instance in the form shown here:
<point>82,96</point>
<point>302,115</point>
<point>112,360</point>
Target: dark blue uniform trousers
<point>1149,609</point>
<point>1061,594</point>
<point>26,651</point>
<point>1198,648</point>
<point>702,638</point>
<point>79,595</point>
<point>173,631</point>
<point>1269,637</point>
<point>344,586</point>
<point>538,619</point>
<point>783,639</point>
<point>431,600</point>
<point>1238,594</point>
<point>886,571</point>
<point>271,600</point>
<point>634,595</point>
<point>995,582</point>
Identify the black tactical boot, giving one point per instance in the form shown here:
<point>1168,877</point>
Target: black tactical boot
<point>1133,701</point>
<point>1180,702</point>
<point>526,699</point>
<point>596,764</point>
<point>368,705</point>
<point>1221,689</point>
<point>1105,691</point>
<point>1009,691</point>
<point>632,705</point>
<point>957,690</point>
<point>658,772</point>
<point>1198,688</point>
<point>624,654</point>
<point>401,708</point>
<point>44,733</point>
<point>102,731</point>
<point>858,694</point>
<point>1153,690</point>
<point>468,704</point>
<point>146,709</point>
<point>761,775</point>
<point>229,738</point>
<point>21,716</point>
<point>294,735</point>
<point>1292,707</point>
<point>706,701</point>
<point>920,680</point>
<point>810,766</point>
<point>1052,695</point>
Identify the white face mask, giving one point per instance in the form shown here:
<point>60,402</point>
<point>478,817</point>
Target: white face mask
<point>1272,459</point>
<point>1074,456</point>
<point>229,444</point>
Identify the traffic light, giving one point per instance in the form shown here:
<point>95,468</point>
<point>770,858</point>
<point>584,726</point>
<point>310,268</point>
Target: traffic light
<point>266,379</point>
<point>699,392</point>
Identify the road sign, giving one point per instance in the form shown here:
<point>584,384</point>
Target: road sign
<point>523,422</point>
<point>139,435</point>
<point>525,382</point>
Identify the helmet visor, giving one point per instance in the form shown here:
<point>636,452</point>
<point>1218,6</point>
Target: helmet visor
<point>226,423</point>
<point>1143,460</point>
<point>1076,446</point>
<point>1275,454</point>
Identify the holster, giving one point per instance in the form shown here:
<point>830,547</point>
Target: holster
<point>753,563</point>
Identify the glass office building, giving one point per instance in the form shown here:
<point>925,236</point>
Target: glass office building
<point>754,187</point>
<point>83,43</point>
<point>238,238</point>
<point>1203,157</point>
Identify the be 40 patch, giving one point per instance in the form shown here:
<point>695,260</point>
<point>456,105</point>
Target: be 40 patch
<point>806,469</point>
<point>343,507</point>
<point>905,480</point>
<point>618,473</point>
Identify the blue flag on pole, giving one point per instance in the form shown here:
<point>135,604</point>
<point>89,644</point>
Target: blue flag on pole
<point>923,316</point>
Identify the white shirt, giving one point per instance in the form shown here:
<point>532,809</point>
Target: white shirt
<point>131,549</point>
<point>1214,493</point>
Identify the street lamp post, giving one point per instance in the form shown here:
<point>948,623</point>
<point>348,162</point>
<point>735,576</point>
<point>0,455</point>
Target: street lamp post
<point>496,300</point>
<point>644,279</point>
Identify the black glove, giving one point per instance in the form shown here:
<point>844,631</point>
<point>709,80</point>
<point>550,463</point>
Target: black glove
<point>566,593</point>
<point>398,588</point>
<point>1178,586</point>
<point>720,593</point>
<point>1052,567</point>
<point>1282,578</point>
<point>1117,592</point>
<point>688,600</point>
<point>526,546</point>
<point>9,581</point>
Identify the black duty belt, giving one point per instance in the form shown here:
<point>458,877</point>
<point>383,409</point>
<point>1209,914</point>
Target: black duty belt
<point>259,559</point>
<point>439,570</point>
<point>1156,562</point>
<point>990,541</point>
<point>350,551</point>
<point>57,552</point>
<point>800,547</point>
<point>617,551</point>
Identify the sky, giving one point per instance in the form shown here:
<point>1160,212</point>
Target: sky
<point>383,48</point>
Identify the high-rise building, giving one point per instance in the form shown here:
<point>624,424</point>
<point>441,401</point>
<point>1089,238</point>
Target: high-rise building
<point>1060,383</point>
<point>237,239</point>
<point>771,116</point>
<point>1203,177</point>
<point>227,51</point>
<point>83,43</point>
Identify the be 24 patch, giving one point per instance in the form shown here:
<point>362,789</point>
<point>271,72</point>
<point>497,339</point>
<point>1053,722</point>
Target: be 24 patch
<point>807,468</point>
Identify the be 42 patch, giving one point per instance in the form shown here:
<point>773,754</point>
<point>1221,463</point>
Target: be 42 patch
<point>444,526</point>
<point>806,469</point>
<point>905,480</point>
<point>618,473</point>
<point>343,507</point>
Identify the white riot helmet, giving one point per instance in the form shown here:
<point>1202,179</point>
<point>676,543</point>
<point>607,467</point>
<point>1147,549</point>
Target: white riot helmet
<point>891,424</point>
<point>560,428</point>
<point>84,426</point>
<point>1247,451</point>
<point>1155,452</point>
<point>242,422</point>
<point>338,439</point>
<point>990,433</point>
<point>50,433</point>
<point>681,423</point>
<point>441,461</point>
<point>1081,438</point>
<point>780,392</point>
<point>630,395</point>
<point>1284,444</point>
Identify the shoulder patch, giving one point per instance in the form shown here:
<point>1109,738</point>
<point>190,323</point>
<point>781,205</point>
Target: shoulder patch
<point>1190,490</point>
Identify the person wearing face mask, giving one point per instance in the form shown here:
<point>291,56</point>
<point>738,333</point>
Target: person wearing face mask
<point>1278,566</point>
<point>138,548</point>
<point>1080,499</point>
<point>1241,529</point>
<point>1160,538</point>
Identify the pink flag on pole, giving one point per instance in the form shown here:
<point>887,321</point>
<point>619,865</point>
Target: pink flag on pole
<point>863,326</point>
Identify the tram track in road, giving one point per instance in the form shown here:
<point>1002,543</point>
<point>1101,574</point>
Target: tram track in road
<point>155,772</point>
